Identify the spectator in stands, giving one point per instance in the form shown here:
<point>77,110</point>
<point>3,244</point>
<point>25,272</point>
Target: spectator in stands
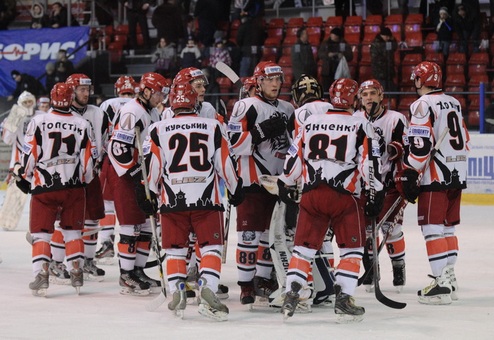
<point>330,52</point>
<point>39,19</point>
<point>137,14</point>
<point>25,82</point>
<point>219,53</point>
<point>190,56</point>
<point>167,18</point>
<point>58,16</point>
<point>467,25</point>
<point>382,58</point>
<point>251,8</point>
<point>7,13</point>
<point>207,14</point>
<point>165,58</point>
<point>63,66</point>
<point>342,8</point>
<point>250,38</point>
<point>444,29</point>
<point>302,58</point>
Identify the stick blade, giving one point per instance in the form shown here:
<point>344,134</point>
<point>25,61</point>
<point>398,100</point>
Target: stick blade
<point>154,304</point>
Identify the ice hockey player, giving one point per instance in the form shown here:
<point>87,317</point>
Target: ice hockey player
<point>187,157</point>
<point>439,194</point>
<point>331,155</point>
<point>57,164</point>
<point>125,90</point>
<point>135,230</point>
<point>257,129</point>
<point>13,129</point>
<point>390,126</point>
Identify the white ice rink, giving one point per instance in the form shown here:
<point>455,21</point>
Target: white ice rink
<point>100,312</point>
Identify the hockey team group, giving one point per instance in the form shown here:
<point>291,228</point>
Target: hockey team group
<point>157,157</point>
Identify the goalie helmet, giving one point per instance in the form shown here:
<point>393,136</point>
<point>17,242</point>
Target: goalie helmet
<point>61,95</point>
<point>268,69</point>
<point>429,73</point>
<point>155,82</point>
<point>343,92</point>
<point>126,85</point>
<point>189,74</point>
<point>183,96</point>
<point>26,99</point>
<point>306,88</point>
<point>79,79</point>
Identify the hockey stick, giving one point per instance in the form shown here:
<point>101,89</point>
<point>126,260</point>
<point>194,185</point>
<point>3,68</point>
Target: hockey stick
<point>226,232</point>
<point>154,304</point>
<point>229,73</point>
<point>375,232</point>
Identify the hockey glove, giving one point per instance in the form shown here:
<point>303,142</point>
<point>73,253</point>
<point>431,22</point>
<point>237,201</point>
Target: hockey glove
<point>238,196</point>
<point>395,150</point>
<point>135,173</point>
<point>373,207</point>
<point>406,184</point>
<point>149,207</point>
<point>23,184</point>
<point>288,194</point>
<point>272,127</point>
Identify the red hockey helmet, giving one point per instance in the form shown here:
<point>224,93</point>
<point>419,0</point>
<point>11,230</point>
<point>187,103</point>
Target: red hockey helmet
<point>125,84</point>
<point>188,75</point>
<point>61,95</point>
<point>183,96</point>
<point>268,69</point>
<point>343,92</point>
<point>156,82</point>
<point>429,73</point>
<point>370,84</point>
<point>247,85</point>
<point>78,79</point>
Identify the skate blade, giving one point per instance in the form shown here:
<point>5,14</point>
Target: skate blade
<point>154,290</point>
<point>347,318</point>
<point>179,313</point>
<point>133,292</point>
<point>59,281</point>
<point>443,299</point>
<point>93,278</point>
<point>369,288</point>
<point>39,292</point>
<point>108,261</point>
<point>222,296</point>
<point>211,313</point>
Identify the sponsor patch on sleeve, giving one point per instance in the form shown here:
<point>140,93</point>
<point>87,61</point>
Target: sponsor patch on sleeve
<point>26,148</point>
<point>234,127</point>
<point>293,150</point>
<point>419,131</point>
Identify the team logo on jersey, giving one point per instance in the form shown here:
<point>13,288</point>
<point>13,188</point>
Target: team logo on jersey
<point>216,236</point>
<point>248,236</point>
<point>240,109</point>
<point>128,121</point>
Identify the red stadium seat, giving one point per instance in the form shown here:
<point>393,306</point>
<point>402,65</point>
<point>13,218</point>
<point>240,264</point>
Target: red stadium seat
<point>457,58</point>
<point>314,22</point>
<point>374,20</point>
<point>412,59</point>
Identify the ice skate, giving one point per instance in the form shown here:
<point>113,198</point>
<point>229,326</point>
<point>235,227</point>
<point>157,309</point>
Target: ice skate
<point>438,292</point>
<point>291,300</point>
<point>58,273</point>
<point>369,279</point>
<point>222,292</point>
<point>91,272</point>
<point>179,300</point>
<point>105,254</point>
<point>345,308</point>
<point>399,274</point>
<point>76,277</point>
<point>41,282</point>
<point>131,284</point>
<point>264,287</point>
<point>210,305</point>
<point>247,293</point>
<point>450,270</point>
<point>154,285</point>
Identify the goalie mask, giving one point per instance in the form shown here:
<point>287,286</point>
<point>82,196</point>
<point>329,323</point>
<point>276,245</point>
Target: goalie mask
<point>305,89</point>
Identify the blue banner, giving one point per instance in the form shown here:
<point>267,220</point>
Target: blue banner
<point>28,51</point>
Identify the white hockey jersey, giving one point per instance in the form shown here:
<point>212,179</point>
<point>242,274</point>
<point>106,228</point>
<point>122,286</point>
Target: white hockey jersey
<point>305,111</point>
<point>122,150</point>
<point>390,126</point>
<point>59,152</point>
<point>268,157</point>
<point>431,115</point>
<point>207,110</point>
<point>334,149</point>
<point>187,155</point>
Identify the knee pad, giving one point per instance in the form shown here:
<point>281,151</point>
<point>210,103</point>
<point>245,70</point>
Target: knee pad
<point>432,231</point>
<point>449,231</point>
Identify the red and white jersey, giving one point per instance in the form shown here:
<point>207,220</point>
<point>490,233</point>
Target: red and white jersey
<point>268,157</point>
<point>334,149</point>
<point>207,111</point>
<point>122,150</point>
<point>111,107</point>
<point>307,110</point>
<point>187,156</point>
<point>390,126</point>
<point>59,152</point>
<point>100,124</point>
<point>431,115</point>
<point>16,139</point>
